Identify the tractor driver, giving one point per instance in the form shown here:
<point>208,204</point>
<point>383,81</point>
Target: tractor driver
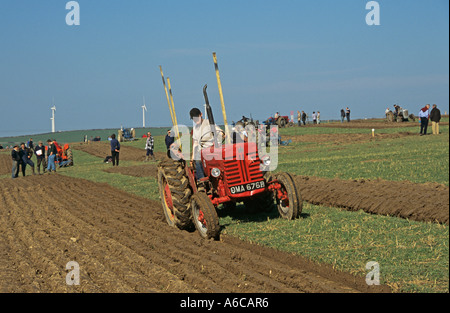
<point>202,137</point>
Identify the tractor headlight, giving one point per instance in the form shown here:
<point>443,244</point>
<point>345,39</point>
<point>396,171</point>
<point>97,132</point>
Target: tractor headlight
<point>266,160</point>
<point>215,172</point>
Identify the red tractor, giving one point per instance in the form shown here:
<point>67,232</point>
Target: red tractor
<point>229,180</point>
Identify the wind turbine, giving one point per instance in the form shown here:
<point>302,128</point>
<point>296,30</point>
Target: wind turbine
<point>144,109</point>
<point>53,116</point>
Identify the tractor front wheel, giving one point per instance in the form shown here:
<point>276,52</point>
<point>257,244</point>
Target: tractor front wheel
<point>205,216</point>
<point>288,198</point>
<point>175,193</point>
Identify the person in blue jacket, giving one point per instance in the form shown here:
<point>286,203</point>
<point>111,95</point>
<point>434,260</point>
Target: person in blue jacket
<point>115,150</point>
<point>169,141</point>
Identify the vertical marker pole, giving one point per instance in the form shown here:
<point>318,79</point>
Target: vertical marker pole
<point>167,95</point>
<point>227,132</point>
<point>177,135</point>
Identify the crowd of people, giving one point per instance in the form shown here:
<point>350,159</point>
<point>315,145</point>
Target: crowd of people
<point>303,118</point>
<point>48,157</point>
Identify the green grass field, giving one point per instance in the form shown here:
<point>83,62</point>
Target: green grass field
<point>414,158</point>
<point>76,135</point>
<point>413,256</point>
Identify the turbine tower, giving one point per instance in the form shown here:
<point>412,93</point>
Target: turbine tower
<point>144,109</point>
<point>53,116</point>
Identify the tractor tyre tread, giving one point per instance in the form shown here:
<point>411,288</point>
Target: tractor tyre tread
<point>174,175</point>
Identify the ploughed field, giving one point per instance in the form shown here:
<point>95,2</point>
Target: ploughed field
<point>5,164</point>
<point>122,244</point>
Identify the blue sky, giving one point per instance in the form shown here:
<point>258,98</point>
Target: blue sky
<point>284,55</point>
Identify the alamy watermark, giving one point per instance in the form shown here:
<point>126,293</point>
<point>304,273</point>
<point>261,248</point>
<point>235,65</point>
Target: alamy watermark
<point>73,17</point>
<point>373,17</point>
<point>73,276</point>
<point>373,277</point>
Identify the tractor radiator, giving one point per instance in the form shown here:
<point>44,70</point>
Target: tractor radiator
<point>243,169</point>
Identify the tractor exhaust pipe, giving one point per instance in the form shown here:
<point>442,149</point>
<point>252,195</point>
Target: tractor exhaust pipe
<point>210,115</point>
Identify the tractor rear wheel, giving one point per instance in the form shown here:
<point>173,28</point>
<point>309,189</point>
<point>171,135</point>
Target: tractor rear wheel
<point>175,193</point>
<point>205,216</point>
<point>288,198</point>
<point>281,122</point>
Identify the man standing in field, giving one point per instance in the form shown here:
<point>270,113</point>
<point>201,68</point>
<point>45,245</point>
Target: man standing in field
<point>115,150</point>
<point>424,116</point>
<point>314,117</point>
<point>304,118</point>
<point>26,154</point>
<point>435,117</point>
<point>16,160</point>
<point>30,144</point>
<point>149,145</point>
<point>51,156</point>
<point>347,114</point>
<point>342,115</point>
<point>169,141</point>
<point>40,157</point>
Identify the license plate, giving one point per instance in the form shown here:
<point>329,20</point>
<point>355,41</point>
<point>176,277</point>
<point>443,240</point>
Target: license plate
<point>247,187</point>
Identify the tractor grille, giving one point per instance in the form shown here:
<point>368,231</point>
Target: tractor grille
<point>244,171</point>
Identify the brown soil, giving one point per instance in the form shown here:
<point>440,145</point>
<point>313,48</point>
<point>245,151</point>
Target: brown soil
<point>5,164</point>
<point>103,149</point>
<point>420,202</point>
<point>347,138</point>
<point>122,244</point>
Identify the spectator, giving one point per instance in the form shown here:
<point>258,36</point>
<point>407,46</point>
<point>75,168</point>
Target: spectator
<point>40,157</point>
<point>342,115</point>
<point>149,145</point>
<point>26,154</point>
<point>424,116</point>
<point>51,156</point>
<point>30,144</point>
<point>299,118</point>
<point>318,117</point>
<point>115,150</point>
<point>347,114</point>
<point>304,118</point>
<point>314,117</point>
<point>435,117</point>
<point>169,141</point>
<point>16,160</point>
